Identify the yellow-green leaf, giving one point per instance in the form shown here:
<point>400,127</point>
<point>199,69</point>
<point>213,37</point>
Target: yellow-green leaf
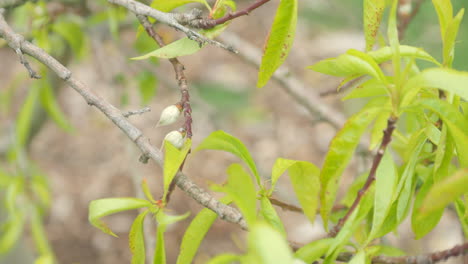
<point>136,239</point>
<point>373,12</point>
<point>279,41</point>
<point>173,158</point>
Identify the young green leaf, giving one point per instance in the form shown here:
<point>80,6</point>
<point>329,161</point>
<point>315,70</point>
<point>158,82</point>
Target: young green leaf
<point>392,34</point>
<point>102,207</point>
<point>39,234</point>
<point>422,225</point>
<point>385,187</point>
<point>136,239</point>
<point>350,226</point>
<point>178,48</point>
<point>173,158</point>
<point>405,186</point>
<point>271,217</point>
<point>369,88</point>
<point>268,246</point>
<point>148,86</point>
<point>373,12</point>
<point>456,123</point>
<point>279,41</point>
<point>314,250</point>
<point>339,154</point>
<point>349,64</point>
<point>385,53</point>
<point>11,231</point>
<point>196,232</point>
<point>164,220</point>
<point>168,5</point>
<point>305,180</point>
<point>225,259</point>
<point>280,166</point>
<point>24,118</point>
<point>221,140</point>
<point>444,11</point>
<point>49,102</point>
<point>445,192</point>
<point>359,258</point>
<point>306,183</point>
<point>242,191</point>
<point>379,126</point>
<point>72,32</point>
<point>450,37</point>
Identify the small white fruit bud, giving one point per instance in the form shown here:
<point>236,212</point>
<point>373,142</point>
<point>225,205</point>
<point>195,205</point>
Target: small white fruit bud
<point>169,115</point>
<point>176,138</point>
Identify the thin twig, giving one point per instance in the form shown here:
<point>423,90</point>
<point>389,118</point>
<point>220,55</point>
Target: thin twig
<point>429,258</point>
<point>183,86</point>
<point>297,209</point>
<point>210,23</point>
<point>387,138</point>
<point>170,20</point>
<point>406,13</point>
<point>137,112</point>
<point>225,212</point>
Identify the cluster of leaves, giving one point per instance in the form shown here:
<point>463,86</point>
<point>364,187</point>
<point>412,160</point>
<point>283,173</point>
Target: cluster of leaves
<point>431,115</point>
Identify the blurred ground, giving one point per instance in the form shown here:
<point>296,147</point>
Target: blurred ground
<point>98,160</point>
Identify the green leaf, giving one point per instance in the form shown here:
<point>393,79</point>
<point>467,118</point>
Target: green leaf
<point>268,246</point>
<point>369,88</point>
<point>23,125</point>
<point>279,41</point>
<point>164,220</point>
<point>271,217</point>
<point>392,34</point>
<point>422,225</point>
<point>456,123</point>
<point>305,180</point>
<point>224,259</point>
<point>148,86</point>
<point>146,191</point>
<point>379,126</point>
<point>460,207</point>
<point>359,258</point>
<point>280,166</point>
<point>444,11</point>
<point>314,250</point>
<point>385,187</point>
<point>450,37</point>
<point>178,48</point>
<point>373,12</point>
<point>442,78</point>
<point>50,104</point>
<point>306,183</point>
<point>353,62</point>
<point>406,182</point>
<point>339,154</point>
<point>168,5</point>
<point>73,34</point>
<point>195,233</point>
<point>11,231</point>
<point>173,158</point>
<point>385,53</point>
<point>242,191</point>
<point>136,239</point>
<point>445,192</point>
<point>350,226</point>
<point>39,234</point>
<point>103,207</point>
<point>221,140</point>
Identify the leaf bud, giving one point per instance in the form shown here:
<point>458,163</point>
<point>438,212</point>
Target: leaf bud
<point>169,115</point>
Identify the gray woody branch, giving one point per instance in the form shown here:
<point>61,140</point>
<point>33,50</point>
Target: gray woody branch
<point>183,182</point>
<point>171,20</point>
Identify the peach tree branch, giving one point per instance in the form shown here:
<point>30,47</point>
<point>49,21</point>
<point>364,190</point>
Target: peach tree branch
<point>170,20</point>
<point>225,212</point>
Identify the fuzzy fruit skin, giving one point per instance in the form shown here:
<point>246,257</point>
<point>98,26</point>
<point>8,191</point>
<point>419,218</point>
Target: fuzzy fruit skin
<point>175,138</point>
<point>169,115</point>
